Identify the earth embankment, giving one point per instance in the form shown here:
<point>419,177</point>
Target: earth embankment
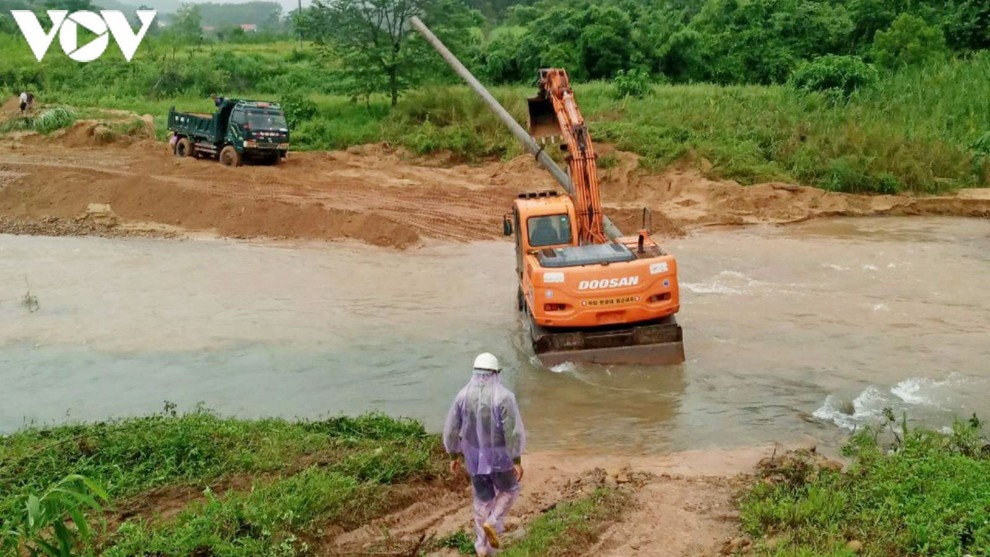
<point>89,180</point>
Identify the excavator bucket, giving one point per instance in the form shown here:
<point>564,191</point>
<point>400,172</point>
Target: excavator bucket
<point>658,343</point>
<point>542,118</point>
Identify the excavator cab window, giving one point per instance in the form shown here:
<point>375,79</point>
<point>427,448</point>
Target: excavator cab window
<point>549,230</point>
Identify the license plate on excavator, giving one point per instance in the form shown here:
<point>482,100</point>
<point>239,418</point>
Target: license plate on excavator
<point>600,302</point>
<point>542,118</point>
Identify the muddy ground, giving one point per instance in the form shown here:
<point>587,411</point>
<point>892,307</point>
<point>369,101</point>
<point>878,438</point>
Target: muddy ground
<point>682,505</point>
<point>86,180</point>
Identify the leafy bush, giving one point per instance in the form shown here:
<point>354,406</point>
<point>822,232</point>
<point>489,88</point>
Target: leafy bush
<point>632,83</point>
<point>833,73</point>
<point>909,41</point>
<point>39,526</point>
<point>297,109</point>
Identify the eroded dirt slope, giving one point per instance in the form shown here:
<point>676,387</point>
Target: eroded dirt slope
<point>373,194</point>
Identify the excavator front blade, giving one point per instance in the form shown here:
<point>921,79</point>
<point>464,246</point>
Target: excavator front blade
<point>657,343</point>
<point>542,118</point>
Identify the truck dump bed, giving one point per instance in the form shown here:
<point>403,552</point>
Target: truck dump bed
<point>197,126</point>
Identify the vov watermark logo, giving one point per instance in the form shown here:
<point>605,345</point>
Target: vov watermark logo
<point>104,24</point>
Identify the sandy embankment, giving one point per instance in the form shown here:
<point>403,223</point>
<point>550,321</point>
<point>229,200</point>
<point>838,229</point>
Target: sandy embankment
<point>85,180</point>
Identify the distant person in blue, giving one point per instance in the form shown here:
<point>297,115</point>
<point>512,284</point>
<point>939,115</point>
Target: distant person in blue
<point>217,101</point>
<point>484,428</point>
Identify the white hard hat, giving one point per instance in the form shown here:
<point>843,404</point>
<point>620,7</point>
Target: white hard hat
<point>486,361</point>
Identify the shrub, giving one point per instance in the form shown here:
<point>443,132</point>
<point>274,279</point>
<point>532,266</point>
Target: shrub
<point>632,83</point>
<point>297,109</point>
<point>833,73</point>
<point>909,41</point>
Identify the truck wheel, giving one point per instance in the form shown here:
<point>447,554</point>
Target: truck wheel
<point>229,156</point>
<point>183,148</point>
<point>520,300</point>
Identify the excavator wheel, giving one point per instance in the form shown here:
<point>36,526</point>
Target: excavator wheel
<point>229,156</point>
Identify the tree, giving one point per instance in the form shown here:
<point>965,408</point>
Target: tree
<point>188,22</point>
<point>967,25</point>
<point>379,48</point>
<point>908,41</point>
<point>605,42</point>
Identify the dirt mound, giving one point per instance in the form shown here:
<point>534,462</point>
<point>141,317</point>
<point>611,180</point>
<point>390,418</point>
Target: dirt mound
<point>129,133</point>
<point>311,195</point>
<point>90,133</point>
<point>630,221</point>
<point>688,199</point>
<point>152,199</point>
<point>795,467</point>
<point>11,107</point>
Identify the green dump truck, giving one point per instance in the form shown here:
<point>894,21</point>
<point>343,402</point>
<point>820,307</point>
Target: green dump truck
<point>239,130</point>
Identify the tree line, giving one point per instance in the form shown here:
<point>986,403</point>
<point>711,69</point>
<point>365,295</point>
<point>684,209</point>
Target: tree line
<point>370,46</point>
<point>676,41</point>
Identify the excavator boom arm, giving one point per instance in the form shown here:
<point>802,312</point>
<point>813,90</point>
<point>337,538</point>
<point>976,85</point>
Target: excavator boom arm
<point>635,331</point>
<point>555,89</point>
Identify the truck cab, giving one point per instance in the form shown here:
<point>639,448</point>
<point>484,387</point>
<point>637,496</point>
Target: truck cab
<point>257,128</point>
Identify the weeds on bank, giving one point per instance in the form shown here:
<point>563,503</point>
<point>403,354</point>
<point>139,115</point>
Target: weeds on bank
<point>46,121</point>
<point>40,525</point>
<point>571,527</point>
<point>304,475</point>
<point>919,493</point>
<point>459,540</point>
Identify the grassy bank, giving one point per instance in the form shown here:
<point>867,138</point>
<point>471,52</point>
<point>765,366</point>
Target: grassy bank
<point>922,129</point>
<point>199,484</point>
<point>225,486</point>
<point>923,493</point>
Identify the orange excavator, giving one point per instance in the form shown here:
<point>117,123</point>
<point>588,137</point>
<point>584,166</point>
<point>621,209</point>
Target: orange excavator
<point>589,293</point>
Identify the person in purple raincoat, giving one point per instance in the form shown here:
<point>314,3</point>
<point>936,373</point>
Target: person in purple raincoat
<point>485,430</point>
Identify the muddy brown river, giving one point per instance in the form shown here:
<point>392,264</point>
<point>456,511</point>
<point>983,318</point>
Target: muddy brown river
<point>791,333</point>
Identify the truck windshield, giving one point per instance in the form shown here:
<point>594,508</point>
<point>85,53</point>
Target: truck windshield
<point>266,121</point>
<point>549,230</point>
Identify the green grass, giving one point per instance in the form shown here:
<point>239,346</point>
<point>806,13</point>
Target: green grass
<point>571,527</point>
<point>926,495</point>
<point>304,476</point>
<point>45,121</point>
<point>921,130</point>
<point>281,487</point>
